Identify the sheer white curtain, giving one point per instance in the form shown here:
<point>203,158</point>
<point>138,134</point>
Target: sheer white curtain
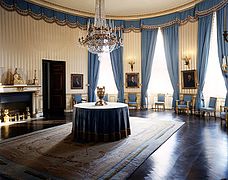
<point>159,80</point>
<point>214,82</point>
<point>106,77</point>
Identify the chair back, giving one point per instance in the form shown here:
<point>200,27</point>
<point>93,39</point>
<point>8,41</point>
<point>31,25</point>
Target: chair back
<point>161,97</point>
<point>187,97</point>
<point>105,97</point>
<point>132,97</point>
<point>77,98</point>
<point>212,102</point>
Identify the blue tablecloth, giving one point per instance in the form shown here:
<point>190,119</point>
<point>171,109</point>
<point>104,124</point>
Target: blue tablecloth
<point>100,123</point>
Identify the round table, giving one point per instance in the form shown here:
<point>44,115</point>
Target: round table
<point>100,123</point>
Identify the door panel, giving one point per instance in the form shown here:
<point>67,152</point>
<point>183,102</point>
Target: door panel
<point>54,87</point>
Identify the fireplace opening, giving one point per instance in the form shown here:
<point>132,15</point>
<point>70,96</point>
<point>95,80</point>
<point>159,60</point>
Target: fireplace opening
<point>18,105</point>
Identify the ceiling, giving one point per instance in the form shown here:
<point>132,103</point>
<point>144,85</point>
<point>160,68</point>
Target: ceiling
<point>120,9</point>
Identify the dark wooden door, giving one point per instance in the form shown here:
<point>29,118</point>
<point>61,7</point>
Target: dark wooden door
<point>54,88</point>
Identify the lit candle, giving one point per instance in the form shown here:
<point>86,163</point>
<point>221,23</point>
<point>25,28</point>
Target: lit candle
<point>109,23</point>
<point>113,24</point>
<point>88,24</point>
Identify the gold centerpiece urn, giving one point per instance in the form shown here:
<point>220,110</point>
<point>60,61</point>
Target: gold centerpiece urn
<point>100,94</point>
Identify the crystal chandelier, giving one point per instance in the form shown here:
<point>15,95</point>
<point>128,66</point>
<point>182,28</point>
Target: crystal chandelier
<point>100,37</point>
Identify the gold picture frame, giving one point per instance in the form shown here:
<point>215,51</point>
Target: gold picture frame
<point>132,80</point>
<point>76,81</point>
<point>189,79</point>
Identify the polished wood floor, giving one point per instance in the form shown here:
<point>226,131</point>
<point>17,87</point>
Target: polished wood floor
<point>199,150</point>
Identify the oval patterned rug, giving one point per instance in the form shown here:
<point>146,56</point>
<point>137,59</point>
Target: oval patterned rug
<point>51,153</point>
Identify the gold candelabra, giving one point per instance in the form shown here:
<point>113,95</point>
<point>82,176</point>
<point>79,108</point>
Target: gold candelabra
<point>6,117</point>
<point>186,61</point>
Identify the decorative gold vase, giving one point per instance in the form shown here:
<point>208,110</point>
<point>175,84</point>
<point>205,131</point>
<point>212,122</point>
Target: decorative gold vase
<point>100,94</point>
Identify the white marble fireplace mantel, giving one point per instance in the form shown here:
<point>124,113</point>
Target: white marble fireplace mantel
<point>19,88</point>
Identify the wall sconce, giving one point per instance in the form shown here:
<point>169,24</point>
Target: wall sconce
<point>186,61</point>
<point>132,64</point>
<point>225,64</point>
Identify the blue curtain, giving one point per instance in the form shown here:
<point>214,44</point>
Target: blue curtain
<point>148,41</point>
<point>117,68</point>
<point>222,45</point>
<point>171,46</point>
<point>93,72</point>
<point>204,34</point>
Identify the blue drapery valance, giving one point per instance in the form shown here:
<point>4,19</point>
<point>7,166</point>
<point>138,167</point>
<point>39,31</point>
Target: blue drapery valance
<point>49,15</point>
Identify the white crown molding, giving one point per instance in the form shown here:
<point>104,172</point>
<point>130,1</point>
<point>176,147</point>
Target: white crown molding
<point>128,17</point>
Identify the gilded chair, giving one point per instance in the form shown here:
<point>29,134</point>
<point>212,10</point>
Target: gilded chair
<point>160,102</point>
<point>224,114</point>
<point>211,107</point>
<point>77,98</point>
<point>132,100</point>
<point>185,104</point>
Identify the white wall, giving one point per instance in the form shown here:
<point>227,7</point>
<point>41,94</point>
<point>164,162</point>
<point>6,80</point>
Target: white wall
<point>24,42</point>
<point>132,52</point>
<point>188,47</point>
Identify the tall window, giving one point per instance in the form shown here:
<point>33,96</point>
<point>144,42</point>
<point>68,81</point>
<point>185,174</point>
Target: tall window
<point>106,77</point>
<point>159,80</point>
<point>214,83</point>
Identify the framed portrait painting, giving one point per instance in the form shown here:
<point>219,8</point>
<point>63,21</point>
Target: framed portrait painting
<point>76,81</point>
<point>189,79</point>
<point>132,80</point>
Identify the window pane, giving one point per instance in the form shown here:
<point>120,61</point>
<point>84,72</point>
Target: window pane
<point>106,77</point>
<point>159,80</point>
<point>214,82</point>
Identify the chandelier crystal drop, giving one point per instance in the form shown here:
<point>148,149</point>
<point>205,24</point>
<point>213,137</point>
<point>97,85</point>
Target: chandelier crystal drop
<point>101,38</point>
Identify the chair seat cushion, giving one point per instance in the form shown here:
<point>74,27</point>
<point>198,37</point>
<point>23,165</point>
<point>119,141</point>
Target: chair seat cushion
<point>132,103</point>
<point>182,106</point>
<point>207,109</point>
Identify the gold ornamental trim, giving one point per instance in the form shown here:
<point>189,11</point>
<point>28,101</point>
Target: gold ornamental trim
<point>77,24</point>
<point>213,9</point>
<point>41,16</point>
<point>77,12</point>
